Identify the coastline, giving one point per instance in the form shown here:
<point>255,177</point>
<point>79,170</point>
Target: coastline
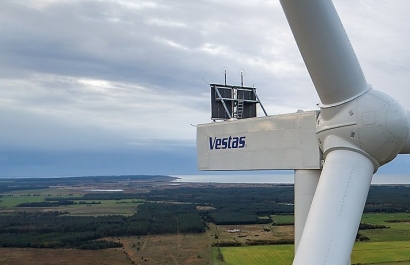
<point>378,179</point>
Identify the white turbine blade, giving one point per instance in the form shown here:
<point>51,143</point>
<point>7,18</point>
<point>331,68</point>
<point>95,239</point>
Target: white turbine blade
<point>326,50</point>
<point>334,216</point>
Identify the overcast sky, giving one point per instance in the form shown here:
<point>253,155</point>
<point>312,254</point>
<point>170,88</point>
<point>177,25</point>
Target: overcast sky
<point>111,87</point>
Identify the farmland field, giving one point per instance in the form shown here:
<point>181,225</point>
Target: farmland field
<point>255,242</point>
<point>169,249</point>
<point>107,207</point>
<point>381,252</point>
<point>258,255</point>
<point>364,253</point>
<point>387,246</point>
<point>87,208</point>
<point>22,256</point>
<point>398,231</point>
<point>283,219</point>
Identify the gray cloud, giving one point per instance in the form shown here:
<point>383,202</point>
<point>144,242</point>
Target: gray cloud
<point>126,75</point>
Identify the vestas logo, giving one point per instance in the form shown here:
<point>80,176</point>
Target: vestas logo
<point>227,142</point>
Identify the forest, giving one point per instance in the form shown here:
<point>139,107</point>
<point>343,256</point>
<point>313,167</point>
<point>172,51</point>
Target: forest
<point>56,229</point>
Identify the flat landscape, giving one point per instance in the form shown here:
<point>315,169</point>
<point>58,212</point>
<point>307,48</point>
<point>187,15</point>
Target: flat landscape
<point>151,220</point>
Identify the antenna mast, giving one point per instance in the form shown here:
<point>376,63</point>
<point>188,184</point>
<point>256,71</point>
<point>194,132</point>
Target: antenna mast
<point>242,73</point>
<point>225,72</point>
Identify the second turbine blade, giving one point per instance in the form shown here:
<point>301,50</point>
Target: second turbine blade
<point>326,50</point>
<point>336,210</point>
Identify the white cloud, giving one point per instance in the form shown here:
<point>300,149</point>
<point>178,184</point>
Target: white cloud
<point>129,72</point>
<point>122,110</point>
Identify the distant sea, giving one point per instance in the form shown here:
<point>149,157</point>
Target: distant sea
<point>279,178</point>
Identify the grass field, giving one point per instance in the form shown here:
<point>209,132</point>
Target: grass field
<point>393,263</point>
<point>19,256</point>
<point>169,249</point>
<point>153,249</point>
<point>381,252</point>
<point>107,207</point>
<point>364,253</point>
<point>258,255</point>
<point>282,219</point>
<point>11,201</point>
<point>388,246</point>
<point>399,231</point>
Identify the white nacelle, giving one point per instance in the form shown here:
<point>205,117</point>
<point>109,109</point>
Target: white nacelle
<point>286,141</point>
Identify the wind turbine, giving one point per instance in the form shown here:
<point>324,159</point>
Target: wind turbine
<point>334,151</point>
<point>359,129</point>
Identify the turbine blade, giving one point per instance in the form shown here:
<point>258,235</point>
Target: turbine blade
<point>326,50</point>
<point>336,210</point>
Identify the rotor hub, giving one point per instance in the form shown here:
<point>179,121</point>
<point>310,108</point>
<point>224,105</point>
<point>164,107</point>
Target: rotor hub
<point>374,124</point>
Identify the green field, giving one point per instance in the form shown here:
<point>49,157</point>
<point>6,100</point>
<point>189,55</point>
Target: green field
<point>106,207</point>
<point>364,253</point>
<point>283,219</point>
<point>258,255</point>
<point>388,246</point>
<point>381,252</point>
<point>13,200</point>
<point>399,231</point>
